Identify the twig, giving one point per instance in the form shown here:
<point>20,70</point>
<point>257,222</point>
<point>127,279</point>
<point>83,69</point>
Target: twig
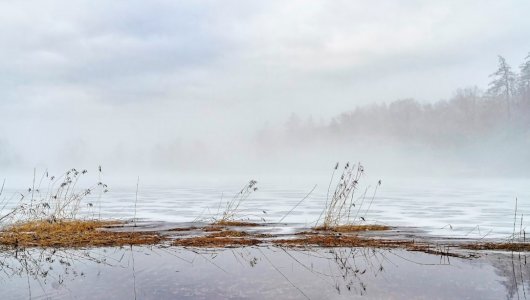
<point>310,192</point>
<point>136,200</point>
<point>2,189</point>
<point>283,275</point>
<point>514,220</point>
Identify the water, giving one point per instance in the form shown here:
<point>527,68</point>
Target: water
<point>258,273</point>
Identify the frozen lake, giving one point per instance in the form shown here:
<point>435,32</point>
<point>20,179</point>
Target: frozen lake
<point>456,208</point>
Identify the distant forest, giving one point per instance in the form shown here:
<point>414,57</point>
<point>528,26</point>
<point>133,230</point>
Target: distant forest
<point>503,109</point>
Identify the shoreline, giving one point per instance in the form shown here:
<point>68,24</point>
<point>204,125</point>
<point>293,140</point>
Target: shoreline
<point>240,234</point>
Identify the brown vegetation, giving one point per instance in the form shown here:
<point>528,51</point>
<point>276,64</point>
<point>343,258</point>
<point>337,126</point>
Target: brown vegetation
<point>72,234</point>
<point>183,229</point>
<point>228,233</point>
<point>352,228</point>
<point>50,220</point>
<point>216,242</point>
<point>341,241</point>
<point>222,239</point>
<point>232,207</point>
<point>212,228</point>
<point>518,247</point>
<point>235,223</point>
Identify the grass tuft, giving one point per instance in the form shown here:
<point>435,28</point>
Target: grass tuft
<point>353,228</point>
<point>228,233</point>
<point>73,234</point>
<point>235,223</point>
<point>340,241</point>
<point>344,210</point>
<point>216,242</point>
<point>232,208</point>
<point>511,246</point>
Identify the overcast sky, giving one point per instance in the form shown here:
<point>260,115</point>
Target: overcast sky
<point>78,75</point>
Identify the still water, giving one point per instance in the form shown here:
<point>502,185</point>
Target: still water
<point>258,273</point>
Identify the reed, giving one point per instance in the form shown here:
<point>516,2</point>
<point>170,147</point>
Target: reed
<point>60,199</point>
<point>52,217</point>
<point>232,210</point>
<point>344,209</point>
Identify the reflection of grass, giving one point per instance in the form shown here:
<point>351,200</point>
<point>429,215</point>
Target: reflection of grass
<point>46,264</point>
<point>72,234</point>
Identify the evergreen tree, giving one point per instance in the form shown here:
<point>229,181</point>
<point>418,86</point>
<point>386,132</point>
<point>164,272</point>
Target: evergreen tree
<point>523,85</point>
<point>503,83</point>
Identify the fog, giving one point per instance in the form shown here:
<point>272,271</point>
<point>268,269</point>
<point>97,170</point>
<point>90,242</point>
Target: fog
<point>173,90</point>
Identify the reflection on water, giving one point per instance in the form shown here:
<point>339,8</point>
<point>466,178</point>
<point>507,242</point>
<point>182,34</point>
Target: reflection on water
<point>258,273</point>
<point>516,274</point>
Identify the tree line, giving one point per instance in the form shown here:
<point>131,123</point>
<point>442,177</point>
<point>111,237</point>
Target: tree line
<point>471,113</point>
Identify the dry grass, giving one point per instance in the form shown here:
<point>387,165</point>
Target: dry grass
<point>222,239</point>
<point>212,228</point>
<point>56,198</point>
<point>178,229</point>
<point>47,217</point>
<point>341,241</point>
<point>72,234</point>
<point>232,207</point>
<point>228,233</point>
<point>235,223</point>
<point>216,242</point>
<point>352,228</point>
<point>518,247</point>
<point>235,233</point>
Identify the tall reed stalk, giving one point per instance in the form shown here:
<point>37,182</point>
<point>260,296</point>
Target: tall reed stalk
<point>62,198</point>
<point>232,206</point>
<point>343,207</point>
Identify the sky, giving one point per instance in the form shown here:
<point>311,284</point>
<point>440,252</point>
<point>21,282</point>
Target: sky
<point>137,82</point>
